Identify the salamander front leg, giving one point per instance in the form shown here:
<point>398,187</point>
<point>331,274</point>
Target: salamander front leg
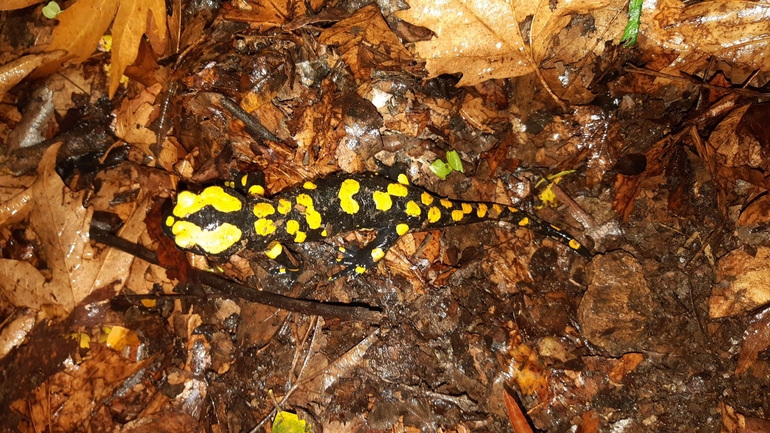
<point>288,266</point>
<point>367,257</point>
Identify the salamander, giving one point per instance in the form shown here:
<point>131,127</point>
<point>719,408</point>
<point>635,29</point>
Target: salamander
<point>222,220</point>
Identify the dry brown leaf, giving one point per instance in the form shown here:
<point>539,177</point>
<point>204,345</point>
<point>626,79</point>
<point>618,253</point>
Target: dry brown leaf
<point>366,42</point>
<point>9,5</point>
<point>131,22</point>
<point>735,31</point>
<point>482,38</point>
<point>77,39</point>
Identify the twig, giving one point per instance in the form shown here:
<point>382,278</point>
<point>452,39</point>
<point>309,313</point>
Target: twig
<point>235,290</point>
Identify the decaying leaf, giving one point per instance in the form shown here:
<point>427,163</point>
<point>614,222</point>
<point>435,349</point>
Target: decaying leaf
<point>743,283</point>
<point>366,42</point>
<point>729,30</point>
<point>756,339</point>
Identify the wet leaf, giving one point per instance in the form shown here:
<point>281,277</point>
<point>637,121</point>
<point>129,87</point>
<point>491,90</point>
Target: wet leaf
<point>743,283</point>
<point>13,72</point>
<point>367,43</point>
<point>497,49</point>
<point>729,30</point>
<point>756,339</point>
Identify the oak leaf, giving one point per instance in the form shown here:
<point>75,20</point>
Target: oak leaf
<point>132,20</point>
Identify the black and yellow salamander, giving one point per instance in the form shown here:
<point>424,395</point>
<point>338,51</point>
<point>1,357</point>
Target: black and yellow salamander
<point>220,221</point>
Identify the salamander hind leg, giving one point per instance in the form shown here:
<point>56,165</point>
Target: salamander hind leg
<point>359,261</point>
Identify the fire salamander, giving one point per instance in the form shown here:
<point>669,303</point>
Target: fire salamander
<point>220,221</point>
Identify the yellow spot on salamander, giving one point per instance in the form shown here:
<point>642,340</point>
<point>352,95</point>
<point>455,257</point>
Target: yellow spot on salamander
<point>382,200</point>
<point>244,180</point>
<point>324,233</point>
<point>575,245</point>
<point>292,226</point>
<point>309,185</point>
<point>402,229</point>
<point>347,190</point>
<point>256,190</point>
<point>341,249</point>
<point>305,200</point>
<point>446,203</point>
<point>274,250</point>
<point>264,227</point>
<point>413,209</point>
<point>402,179</point>
<point>524,222</point>
<point>481,210</point>
<point>512,209</point>
<point>377,254</point>
<point>170,221</point>
<point>360,269</point>
<point>426,199</point>
<point>434,214</point>
<point>301,236</point>
<point>313,218</point>
<point>398,190</point>
<point>457,215</point>
<point>555,228</point>
<point>189,203</point>
<point>495,212</point>
<point>467,208</point>
<point>262,210</point>
<point>284,206</point>
<point>230,184</point>
<point>188,235</point>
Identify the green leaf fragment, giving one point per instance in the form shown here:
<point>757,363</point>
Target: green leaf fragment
<point>453,159</point>
<point>634,21</point>
<point>440,169</point>
<point>51,10</point>
<point>287,422</point>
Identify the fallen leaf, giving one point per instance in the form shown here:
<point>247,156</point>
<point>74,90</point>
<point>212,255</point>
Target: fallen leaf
<point>627,364</point>
<point>132,20</point>
<point>743,283</point>
<point>367,43</point>
<point>497,48</point>
<point>13,72</point>
<point>9,5</point>
<point>79,40</point>
<point>516,416</point>
<point>729,30</point>
<point>62,224</point>
<point>756,339</point>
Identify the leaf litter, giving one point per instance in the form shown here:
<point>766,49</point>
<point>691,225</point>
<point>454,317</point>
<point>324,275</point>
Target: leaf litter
<point>485,327</point>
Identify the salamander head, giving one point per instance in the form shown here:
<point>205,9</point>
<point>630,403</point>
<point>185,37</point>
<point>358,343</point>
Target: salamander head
<point>209,223</point>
